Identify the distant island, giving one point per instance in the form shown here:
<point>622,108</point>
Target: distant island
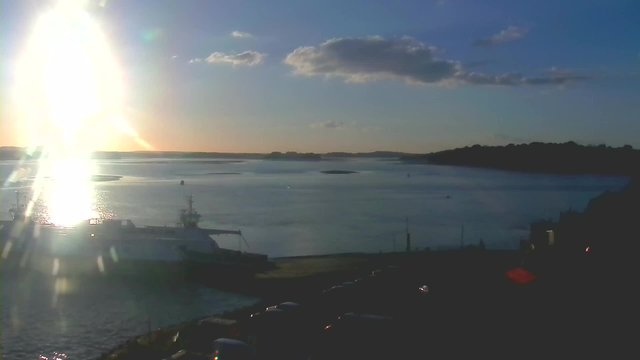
<point>17,153</point>
<point>338,172</point>
<point>292,155</point>
<point>374,154</point>
<point>537,157</point>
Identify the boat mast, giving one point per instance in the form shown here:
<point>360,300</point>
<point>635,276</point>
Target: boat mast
<point>189,217</point>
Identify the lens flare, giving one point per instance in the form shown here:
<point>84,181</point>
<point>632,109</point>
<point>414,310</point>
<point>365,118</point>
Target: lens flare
<point>70,197</point>
<point>70,91</point>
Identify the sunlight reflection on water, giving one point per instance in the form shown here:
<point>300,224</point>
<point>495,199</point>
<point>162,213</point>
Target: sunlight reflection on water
<point>71,196</point>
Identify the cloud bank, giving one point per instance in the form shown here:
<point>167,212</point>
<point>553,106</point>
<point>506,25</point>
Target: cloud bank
<point>512,33</point>
<point>372,58</point>
<point>359,60</point>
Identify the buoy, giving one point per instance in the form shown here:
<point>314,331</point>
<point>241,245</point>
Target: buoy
<point>181,182</point>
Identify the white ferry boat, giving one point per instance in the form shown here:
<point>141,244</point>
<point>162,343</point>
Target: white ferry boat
<point>114,246</point>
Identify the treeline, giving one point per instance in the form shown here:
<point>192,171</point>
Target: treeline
<point>292,155</point>
<point>608,225</point>
<point>566,158</point>
<point>16,153</point>
<point>374,154</point>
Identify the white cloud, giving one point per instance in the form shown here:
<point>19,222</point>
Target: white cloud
<point>512,33</point>
<point>241,34</point>
<point>372,58</point>
<point>360,60</point>
<point>247,58</point>
<point>331,124</point>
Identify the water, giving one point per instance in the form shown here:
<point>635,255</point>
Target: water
<point>290,208</point>
<point>284,209</point>
<point>84,318</point>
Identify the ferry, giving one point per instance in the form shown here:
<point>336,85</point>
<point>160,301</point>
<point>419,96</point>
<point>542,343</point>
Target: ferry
<point>115,246</point>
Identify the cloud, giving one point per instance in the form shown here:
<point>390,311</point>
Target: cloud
<point>557,76</point>
<point>512,33</point>
<point>372,58</point>
<point>360,60</point>
<point>516,79</point>
<point>247,58</point>
<point>507,79</point>
<point>241,34</point>
<point>331,124</point>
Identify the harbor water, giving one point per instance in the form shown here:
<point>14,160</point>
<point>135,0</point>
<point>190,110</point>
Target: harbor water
<point>284,208</point>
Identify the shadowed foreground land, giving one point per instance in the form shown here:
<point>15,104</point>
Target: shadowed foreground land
<point>472,308</point>
<point>572,298</point>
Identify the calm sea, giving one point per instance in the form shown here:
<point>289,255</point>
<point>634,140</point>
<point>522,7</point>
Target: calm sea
<point>283,208</point>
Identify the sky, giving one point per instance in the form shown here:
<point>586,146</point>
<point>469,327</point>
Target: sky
<point>320,76</point>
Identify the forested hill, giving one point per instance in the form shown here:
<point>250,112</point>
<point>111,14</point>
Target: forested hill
<point>566,158</point>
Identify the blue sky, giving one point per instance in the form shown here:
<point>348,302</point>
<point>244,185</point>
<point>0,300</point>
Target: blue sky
<point>320,76</point>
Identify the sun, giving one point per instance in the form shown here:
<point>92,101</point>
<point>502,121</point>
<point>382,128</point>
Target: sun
<point>70,92</point>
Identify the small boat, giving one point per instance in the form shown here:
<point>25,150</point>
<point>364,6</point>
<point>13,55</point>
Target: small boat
<point>181,182</point>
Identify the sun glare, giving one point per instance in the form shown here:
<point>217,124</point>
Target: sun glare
<point>71,197</point>
<point>70,91</point>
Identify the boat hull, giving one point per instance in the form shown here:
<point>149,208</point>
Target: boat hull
<point>64,252</point>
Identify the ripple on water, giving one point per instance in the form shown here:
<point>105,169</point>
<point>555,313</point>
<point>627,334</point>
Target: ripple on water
<point>96,315</point>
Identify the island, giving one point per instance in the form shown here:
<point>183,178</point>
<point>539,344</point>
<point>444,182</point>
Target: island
<point>101,177</point>
<point>292,155</point>
<point>537,157</point>
<point>374,154</point>
<point>338,172</point>
<point>38,152</point>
